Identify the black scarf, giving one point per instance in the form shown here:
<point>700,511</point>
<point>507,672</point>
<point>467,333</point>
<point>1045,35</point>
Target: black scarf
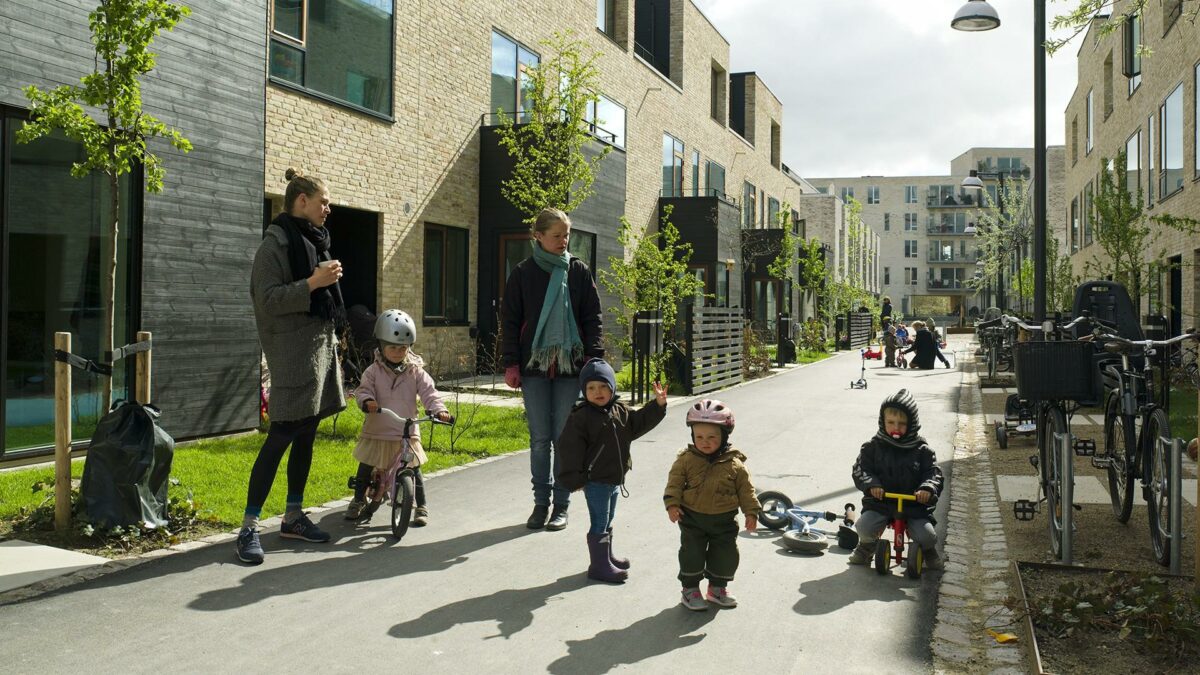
<point>308,245</point>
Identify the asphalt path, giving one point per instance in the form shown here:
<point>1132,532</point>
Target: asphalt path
<point>478,592</point>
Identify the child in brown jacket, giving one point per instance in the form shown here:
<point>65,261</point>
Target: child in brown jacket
<point>706,485</point>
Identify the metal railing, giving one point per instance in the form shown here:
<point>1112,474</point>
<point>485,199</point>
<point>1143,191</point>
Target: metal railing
<point>952,202</point>
<point>946,285</point>
<point>948,229</point>
<point>952,259</point>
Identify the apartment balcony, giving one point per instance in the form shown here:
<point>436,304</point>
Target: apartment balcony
<point>949,229</point>
<point>947,286</point>
<point>960,201</point>
<point>952,259</point>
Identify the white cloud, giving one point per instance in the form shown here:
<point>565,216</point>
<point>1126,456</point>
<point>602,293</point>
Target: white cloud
<point>886,86</point>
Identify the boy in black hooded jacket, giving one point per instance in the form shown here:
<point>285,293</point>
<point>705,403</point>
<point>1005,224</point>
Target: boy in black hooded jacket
<point>897,459</point>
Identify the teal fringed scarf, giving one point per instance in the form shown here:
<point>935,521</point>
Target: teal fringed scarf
<point>556,340</point>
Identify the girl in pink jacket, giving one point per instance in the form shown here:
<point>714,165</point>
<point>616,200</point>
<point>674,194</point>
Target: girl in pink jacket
<point>394,381</point>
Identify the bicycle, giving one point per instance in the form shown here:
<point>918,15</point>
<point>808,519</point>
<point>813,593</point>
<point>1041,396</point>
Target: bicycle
<point>397,481</point>
<point>1137,435</point>
<point>1057,375</point>
<point>996,341</point>
<point>778,512</point>
<point>914,563</point>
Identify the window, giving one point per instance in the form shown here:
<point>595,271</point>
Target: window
<point>799,225</point>
<point>510,79</point>
<point>308,51</point>
<point>749,206</point>
<point>910,277</point>
<point>1074,140</point>
<point>672,166</point>
<point>873,194</point>
<point>1171,144</point>
<point>776,144</point>
<point>910,248</point>
<point>1087,214</point>
<point>1196,117</point>
<point>887,275</point>
<point>1133,164</point>
<point>1074,224</point>
<point>606,20</point>
<point>847,194</point>
<point>887,221</point>
<point>54,229</point>
<point>607,119</point>
<point>910,194</point>
<point>1088,129</point>
<point>773,212</point>
<point>582,245</point>
<point>722,278</point>
<point>910,222</point>
<point>652,34</point>
<point>1150,175</point>
<point>718,93</point>
<point>1132,39</point>
<point>695,173</point>
<point>1108,86</point>
<point>715,179</point>
<point>447,257</point>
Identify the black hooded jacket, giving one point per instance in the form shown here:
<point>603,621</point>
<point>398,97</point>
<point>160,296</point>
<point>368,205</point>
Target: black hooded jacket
<point>902,465</point>
<point>521,308</point>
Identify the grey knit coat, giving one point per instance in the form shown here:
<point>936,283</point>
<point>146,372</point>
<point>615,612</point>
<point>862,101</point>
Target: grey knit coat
<point>301,349</point>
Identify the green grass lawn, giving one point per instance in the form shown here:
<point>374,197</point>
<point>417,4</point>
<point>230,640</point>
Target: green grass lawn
<point>216,470</point>
<point>1183,412</point>
<point>806,356</point>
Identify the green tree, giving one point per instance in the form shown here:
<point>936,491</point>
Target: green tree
<point>547,141</point>
<point>122,32</point>
<point>655,277</point>
<point>784,266</point>
<point>1003,230</point>
<point>1081,15</point>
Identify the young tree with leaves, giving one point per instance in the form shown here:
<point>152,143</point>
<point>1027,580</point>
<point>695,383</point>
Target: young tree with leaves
<point>1004,229</point>
<point>548,137</point>
<point>1080,18</point>
<point>122,32</point>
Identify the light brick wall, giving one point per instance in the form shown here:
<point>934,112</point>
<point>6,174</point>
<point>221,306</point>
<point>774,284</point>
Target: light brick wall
<point>424,166</point>
<point>1171,64</point>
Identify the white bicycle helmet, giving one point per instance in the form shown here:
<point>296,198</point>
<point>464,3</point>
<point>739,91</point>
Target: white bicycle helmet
<point>710,411</point>
<point>395,327</point>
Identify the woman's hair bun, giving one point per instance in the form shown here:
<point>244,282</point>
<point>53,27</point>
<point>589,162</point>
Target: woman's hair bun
<point>291,173</point>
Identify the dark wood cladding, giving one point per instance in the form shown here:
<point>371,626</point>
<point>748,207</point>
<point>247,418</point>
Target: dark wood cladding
<point>199,235</point>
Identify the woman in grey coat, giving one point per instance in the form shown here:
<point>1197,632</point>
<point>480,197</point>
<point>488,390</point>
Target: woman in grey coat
<point>297,306</point>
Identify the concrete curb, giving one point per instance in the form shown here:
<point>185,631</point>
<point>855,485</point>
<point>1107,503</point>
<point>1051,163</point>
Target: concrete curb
<point>975,584</point>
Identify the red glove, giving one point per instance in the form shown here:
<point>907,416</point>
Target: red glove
<point>512,376</point>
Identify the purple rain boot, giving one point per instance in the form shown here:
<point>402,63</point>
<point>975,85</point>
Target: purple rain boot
<point>619,563</point>
<point>601,568</point>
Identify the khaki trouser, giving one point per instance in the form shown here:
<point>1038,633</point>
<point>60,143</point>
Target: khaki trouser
<point>707,548</point>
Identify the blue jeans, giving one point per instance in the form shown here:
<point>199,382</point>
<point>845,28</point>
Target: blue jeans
<point>602,505</point>
<point>548,402</point>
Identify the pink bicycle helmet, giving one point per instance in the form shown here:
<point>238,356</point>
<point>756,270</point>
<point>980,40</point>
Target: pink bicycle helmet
<point>710,411</point>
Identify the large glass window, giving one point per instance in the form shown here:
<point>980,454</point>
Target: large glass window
<point>910,222</point>
<point>1090,119</point>
<point>1087,214</point>
<point>715,180</point>
<point>311,44</point>
<point>749,205</point>
<point>772,212</point>
<point>54,230</point>
<point>582,245</point>
<point>1133,162</point>
<point>695,173</point>
<point>873,194</point>
<point>1171,143</point>
<point>910,194</point>
<point>1074,224</point>
<point>1151,177</point>
<point>510,78</point>
<point>672,185</point>
<point>605,19</point>
<point>1196,118</point>
<point>607,118</point>
<point>910,248</point>
<point>847,194</point>
<point>1133,56</point>
<point>447,257</point>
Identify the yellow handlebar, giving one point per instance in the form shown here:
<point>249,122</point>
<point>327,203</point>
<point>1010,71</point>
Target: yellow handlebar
<point>900,499</point>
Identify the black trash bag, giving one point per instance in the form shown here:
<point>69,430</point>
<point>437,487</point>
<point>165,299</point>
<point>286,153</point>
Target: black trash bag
<point>128,465</point>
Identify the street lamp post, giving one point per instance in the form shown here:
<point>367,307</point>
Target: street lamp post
<point>978,15</point>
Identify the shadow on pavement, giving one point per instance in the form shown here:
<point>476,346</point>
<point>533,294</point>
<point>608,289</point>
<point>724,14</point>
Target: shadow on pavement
<point>374,561</point>
<point>856,583</point>
<point>652,636</point>
<point>513,609</point>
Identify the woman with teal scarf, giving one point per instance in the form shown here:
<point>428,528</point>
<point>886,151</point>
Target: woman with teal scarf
<point>550,326</point>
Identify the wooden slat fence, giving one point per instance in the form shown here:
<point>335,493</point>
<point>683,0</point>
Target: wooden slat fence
<point>714,348</point>
<point>860,328</point>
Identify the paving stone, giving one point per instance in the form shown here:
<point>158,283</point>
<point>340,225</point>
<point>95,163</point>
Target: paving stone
<point>953,634</point>
<point>948,602</point>
<point>957,618</point>
<point>994,563</point>
<point>956,578</point>
<point>952,589</point>
<point>998,546</point>
<point>954,654</point>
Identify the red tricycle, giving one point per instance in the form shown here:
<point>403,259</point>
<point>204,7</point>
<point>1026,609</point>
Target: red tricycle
<point>884,560</point>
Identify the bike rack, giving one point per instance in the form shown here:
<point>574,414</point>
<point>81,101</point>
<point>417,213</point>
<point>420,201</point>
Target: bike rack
<point>1175,506</point>
<point>1066,473</point>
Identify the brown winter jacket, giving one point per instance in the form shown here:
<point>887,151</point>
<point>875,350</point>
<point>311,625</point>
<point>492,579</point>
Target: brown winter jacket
<point>600,439</point>
<point>719,486</point>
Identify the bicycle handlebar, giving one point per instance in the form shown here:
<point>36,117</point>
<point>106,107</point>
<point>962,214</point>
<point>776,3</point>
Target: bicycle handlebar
<point>900,499</point>
<point>414,420</point>
<point>1006,319</point>
<point>1125,344</point>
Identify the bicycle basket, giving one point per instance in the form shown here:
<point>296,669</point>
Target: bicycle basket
<point>1056,371</point>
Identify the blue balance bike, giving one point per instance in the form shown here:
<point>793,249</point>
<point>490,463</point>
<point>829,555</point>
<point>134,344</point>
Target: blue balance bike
<point>799,533</point>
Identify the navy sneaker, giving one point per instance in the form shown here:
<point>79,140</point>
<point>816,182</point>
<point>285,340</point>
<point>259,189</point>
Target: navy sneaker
<point>249,548</point>
<point>303,528</point>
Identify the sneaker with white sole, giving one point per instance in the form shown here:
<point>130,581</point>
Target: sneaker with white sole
<point>693,600</point>
<point>249,547</point>
<point>721,597</point>
<point>303,528</point>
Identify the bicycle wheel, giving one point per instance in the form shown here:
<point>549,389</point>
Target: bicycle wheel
<point>805,542</point>
<point>774,509</point>
<point>883,556</point>
<point>403,495</point>
<point>1003,360</point>
<point>1119,445</point>
<point>915,563</point>
<point>991,360</point>
<point>1158,483</point>
<point>1055,423</point>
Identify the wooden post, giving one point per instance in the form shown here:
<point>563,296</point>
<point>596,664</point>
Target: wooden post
<point>142,377</point>
<point>62,436</point>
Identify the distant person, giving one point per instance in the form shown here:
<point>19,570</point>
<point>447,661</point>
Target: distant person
<point>550,325</point>
<point>889,343</point>
<point>297,308</point>
<point>886,310</point>
<point>926,348</point>
<point>897,459</point>
<point>394,380</point>
<point>707,484</point>
<point>594,455</point>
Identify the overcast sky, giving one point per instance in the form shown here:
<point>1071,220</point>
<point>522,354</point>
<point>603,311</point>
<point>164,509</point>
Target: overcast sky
<point>886,87</point>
